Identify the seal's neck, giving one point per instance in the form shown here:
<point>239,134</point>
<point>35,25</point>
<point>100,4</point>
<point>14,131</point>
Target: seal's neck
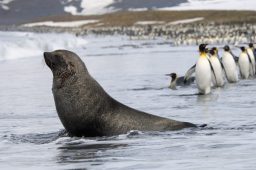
<point>69,76</point>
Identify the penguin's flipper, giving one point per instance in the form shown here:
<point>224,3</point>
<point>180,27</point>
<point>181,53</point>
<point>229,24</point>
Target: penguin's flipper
<point>189,73</point>
<point>212,70</point>
<point>249,59</point>
<point>223,68</point>
<point>235,57</point>
<point>254,52</point>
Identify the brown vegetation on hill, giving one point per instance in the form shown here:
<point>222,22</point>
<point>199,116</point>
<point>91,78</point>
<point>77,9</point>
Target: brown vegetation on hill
<point>130,18</point>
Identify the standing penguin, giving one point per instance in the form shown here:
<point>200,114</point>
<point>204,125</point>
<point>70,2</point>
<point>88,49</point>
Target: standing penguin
<point>229,65</point>
<point>203,71</point>
<point>250,52</point>
<point>244,64</point>
<point>217,74</point>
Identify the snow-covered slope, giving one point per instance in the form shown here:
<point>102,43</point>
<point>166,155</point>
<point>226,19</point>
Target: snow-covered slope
<point>105,6</point>
<point>216,5</point>
<point>24,11</point>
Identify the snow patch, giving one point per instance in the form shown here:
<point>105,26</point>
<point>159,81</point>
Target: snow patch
<point>184,21</point>
<point>61,24</point>
<point>137,9</point>
<point>215,5</point>
<point>15,45</point>
<point>149,22</point>
<point>71,9</point>
<point>91,7</point>
<point>4,4</point>
<point>96,7</point>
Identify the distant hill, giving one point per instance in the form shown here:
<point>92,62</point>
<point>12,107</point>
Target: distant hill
<point>24,11</point>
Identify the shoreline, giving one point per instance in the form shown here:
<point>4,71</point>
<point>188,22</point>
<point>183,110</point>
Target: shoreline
<point>182,27</point>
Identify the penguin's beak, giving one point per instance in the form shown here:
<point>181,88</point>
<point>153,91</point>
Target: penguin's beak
<point>168,74</point>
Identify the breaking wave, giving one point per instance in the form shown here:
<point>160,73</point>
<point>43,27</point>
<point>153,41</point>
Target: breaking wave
<point>15,45</point>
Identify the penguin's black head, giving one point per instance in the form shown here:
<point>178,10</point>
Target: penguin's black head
<point>212,52</point>
<point>226,48</point>
<point>214,48</point>
<point>172,75</point>
<point>202,47</point>
<point>242,48</point>
<point>251,45</point>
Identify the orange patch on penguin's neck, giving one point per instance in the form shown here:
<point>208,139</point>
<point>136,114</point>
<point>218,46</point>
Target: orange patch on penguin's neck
<point>203,54</point>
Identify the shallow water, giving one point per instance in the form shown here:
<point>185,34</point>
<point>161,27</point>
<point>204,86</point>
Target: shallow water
<point>133,72</point>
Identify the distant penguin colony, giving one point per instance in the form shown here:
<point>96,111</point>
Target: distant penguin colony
<point>210,70</point>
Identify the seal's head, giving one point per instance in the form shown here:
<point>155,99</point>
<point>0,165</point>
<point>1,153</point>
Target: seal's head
<point>64,65</point>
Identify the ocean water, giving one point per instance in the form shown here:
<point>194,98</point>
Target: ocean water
<point>133,72</point>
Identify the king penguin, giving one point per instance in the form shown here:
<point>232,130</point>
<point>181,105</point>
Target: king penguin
<point>217,74</point>
<point>250,51</point>
<point>244,64</point>
<point>229,65</point>
<point>179,81</point>
<point>203,71</point>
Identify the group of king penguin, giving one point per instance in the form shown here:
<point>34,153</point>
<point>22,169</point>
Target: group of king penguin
<point>211,70</point>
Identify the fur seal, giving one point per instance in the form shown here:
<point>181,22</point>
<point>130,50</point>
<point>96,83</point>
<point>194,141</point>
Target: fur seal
<point>85,109</point>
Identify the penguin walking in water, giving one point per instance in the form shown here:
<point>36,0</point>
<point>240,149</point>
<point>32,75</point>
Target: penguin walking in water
<point>203,71</point>
<point>244,64</point>
<point>229,65</point>
<point>217,74</point>
<point>250,52</point>
<point>179,81</point>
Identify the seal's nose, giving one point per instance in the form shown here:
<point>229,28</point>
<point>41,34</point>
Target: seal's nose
<point>48,59</point>
<point>46,54</point>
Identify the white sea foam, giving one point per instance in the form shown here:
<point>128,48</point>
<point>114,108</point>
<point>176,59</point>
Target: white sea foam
<point>15,45</point>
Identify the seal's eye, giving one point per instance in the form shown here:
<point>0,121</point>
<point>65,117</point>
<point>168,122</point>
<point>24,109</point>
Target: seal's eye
<point>59,59</point>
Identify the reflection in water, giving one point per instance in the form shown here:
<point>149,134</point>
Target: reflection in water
<point>94,153</point>
<point>36,138</point>
<point>207,98</point>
